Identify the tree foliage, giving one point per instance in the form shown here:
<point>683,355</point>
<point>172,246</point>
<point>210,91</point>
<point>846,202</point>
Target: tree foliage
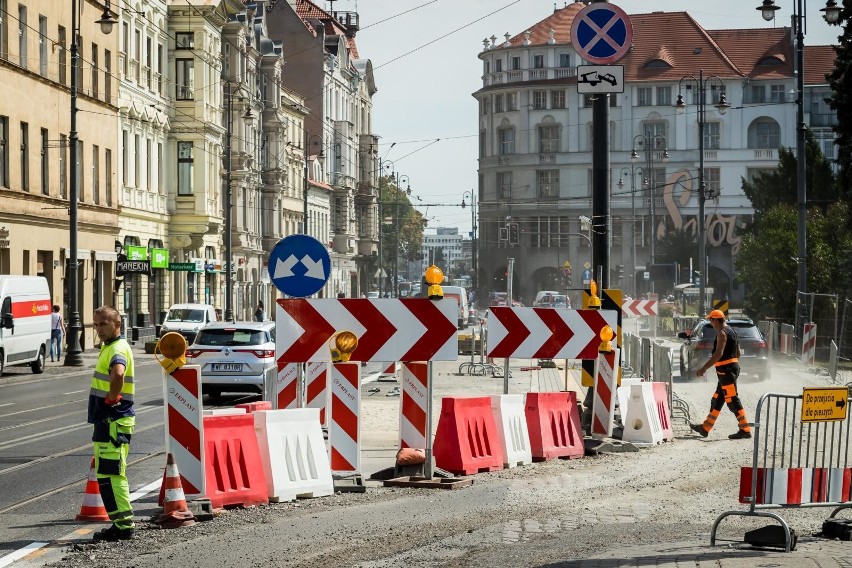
<point>840,80</point>
<point>401,225</point>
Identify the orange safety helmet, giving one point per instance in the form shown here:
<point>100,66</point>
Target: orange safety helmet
<point>716,314</point>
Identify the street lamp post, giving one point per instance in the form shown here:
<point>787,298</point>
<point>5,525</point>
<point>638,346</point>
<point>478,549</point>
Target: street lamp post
<point>398,232</point>
<point>832,16</point>
<point>722,105</point>
<point>651,142</point>
<point>73,351</point>
<point>633,171</point>
<point>473,251</point>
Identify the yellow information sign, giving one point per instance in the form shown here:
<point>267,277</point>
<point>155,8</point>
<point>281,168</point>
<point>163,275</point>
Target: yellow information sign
<point>824,404</point>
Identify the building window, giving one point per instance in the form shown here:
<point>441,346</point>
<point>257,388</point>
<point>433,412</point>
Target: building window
<point>45,163</point>
<point>711,136</point>
<point>498,103</point>
<point>107,75</point>
<point>764,133</point>
<point>125,159</point>
<point>96,177</point>
<point>713,182</point>
<point>25,156</point>
<point>565,60</point>
<point>516,63</point>
<point>160,68</point>
<point>80,171</point>
<point>63,166</point>
<point>63,52</point>
<point>539,100</point>
<point>148,164</point>
<point>184,168</point>
<point>507,141</point>
<point>148,53</point>
<point>758,94</point>
<point>108,175</point>
<point>137,50</point>
<point>557,99</point>
<point>137,160</point>
<point>664,96</point>
<point>185,40</point>
<point>4,151</point>
<point>125,44</point>
<point>656,128</point>
<point>42,46</point>
<point>95,70</point>
<point>160,167</point>
<point>487,66</point>
<point>644,96</point>
<point>504,185</point>
<point>548,139</point>
<point>512,101</point>
<point>4,30</point>
<point>538,61</point>
<point>482,140</point>
<point>498,65</point>
<point>486,106</point>
<point>184,79</point>
<point>548,183</point>
<point>776,93</point>
<point>22,36</point>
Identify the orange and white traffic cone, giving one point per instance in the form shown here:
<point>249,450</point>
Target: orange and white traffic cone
<point>93,509</point>
<point>176,512</point>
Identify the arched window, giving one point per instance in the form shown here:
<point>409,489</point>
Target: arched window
<point>549,136</point>
<point>764,132</point>
<point>769,60</point>
<point>657,64</point>
<point>506,138</point>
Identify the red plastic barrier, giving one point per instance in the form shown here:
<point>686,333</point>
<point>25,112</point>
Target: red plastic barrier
<point>745,484</point>
<point>661,397</point>
<point>466,440</point>
<point>554,424</point>
<point>255,406</point>
<point>232,468</point>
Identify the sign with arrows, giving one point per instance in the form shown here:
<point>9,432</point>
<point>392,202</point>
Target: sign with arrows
<point>824,404</point>
<point>547,333</point>
<point>634,308</point>
<point>388,329</point>
<point>299,266</point>
<point>600,79</point>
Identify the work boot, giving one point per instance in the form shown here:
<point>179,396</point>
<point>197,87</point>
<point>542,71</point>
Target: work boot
<point>699,429</point>
<point>113,534</point>
<point>740,435</point>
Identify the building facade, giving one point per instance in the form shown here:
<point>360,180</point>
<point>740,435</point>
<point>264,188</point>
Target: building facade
<point>536,141</point>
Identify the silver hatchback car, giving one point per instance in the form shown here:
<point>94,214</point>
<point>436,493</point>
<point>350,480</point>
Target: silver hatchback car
<point>233,356</point>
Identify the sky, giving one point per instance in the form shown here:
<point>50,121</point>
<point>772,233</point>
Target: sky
<point>424,55</point>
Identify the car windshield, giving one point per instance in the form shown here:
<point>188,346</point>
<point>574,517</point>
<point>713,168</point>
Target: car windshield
<point>230,337</point>
<point>743,330</point>
<point>185,314</point>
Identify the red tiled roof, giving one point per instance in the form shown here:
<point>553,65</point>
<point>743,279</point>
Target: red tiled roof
<point>819,61</point>
<point>306,9</point>
<point>560,22</point>
<point>748,47</point>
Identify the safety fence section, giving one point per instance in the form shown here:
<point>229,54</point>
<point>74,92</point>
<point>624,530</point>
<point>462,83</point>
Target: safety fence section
<point>801,457</point>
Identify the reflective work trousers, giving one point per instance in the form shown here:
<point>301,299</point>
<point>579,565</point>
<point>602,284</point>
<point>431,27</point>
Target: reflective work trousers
<point>111,469</point>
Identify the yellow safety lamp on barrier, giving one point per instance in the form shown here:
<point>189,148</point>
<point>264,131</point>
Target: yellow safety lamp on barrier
<point>606,336</point>
<point>594,301</point>
<point>172,346</point>
<point>345,343</point>
<point>434,276</point>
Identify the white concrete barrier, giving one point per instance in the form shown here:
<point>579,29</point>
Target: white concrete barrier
<point>511,421</point>
<point>223,411</point>
<point>642,424</point>
<point>292,450</point>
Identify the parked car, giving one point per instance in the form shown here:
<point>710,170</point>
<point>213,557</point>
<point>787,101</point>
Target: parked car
<point>544,298</point>
<point>372,294</point>
<point>233,356</point>
<point>187,319</point>
<point>698,345</point>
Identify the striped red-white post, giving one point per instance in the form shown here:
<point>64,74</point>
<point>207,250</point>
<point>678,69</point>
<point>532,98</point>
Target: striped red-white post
<point>184,426</point>
<point>390,368</point>
<point>344,427</point>
<point>809,344</point>
<point>316,387</point>
<point>603,405</point>
<point>412,408</point>
<point>286,387</point>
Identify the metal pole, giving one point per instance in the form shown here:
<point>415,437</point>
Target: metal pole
<point>395,292</point>
<point>381,231</point>
<point>600,189</point>
<point>473,242</point>
<point>73,352</point>
<point>702,260</point>
<point>510,268</point>
<point>801,171</point>
<point>652,182</point>
<point>429,465</point>
<point>229,281</point>
<point>633,229</point>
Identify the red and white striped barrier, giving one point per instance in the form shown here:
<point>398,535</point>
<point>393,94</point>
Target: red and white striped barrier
<point>412,408</point>
<point>344,428</point>
<point>184,426</point>
<point>798,485</point>
<point>809,344</point>
<point>785,343</point>
<point>636,308</point>
<point>603,405</point>
<point>390,368</point>
<point>316,388</point>
<point>286,387</point>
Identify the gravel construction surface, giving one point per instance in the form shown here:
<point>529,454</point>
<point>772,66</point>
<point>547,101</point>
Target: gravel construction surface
<point>655,503</point>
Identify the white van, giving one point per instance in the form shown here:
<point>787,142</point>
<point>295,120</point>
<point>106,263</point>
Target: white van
<point>187,319</point>
<point>460,295</point>
<point>24,321</point>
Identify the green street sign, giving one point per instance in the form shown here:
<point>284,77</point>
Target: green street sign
<point>136,253</point>
<point>159,258</point>
<point>182,266</point>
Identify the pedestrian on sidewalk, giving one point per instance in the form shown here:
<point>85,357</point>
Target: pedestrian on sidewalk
<point>57,331</point>
<point>259,313</point>
<point>111,412</point>
<point>726,350</point>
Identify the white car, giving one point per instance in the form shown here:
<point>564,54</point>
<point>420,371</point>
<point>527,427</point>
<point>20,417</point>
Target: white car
<point>234,356</point>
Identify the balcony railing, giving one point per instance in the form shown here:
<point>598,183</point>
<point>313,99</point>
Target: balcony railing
<point>519,75</point>
<point>765,154</point>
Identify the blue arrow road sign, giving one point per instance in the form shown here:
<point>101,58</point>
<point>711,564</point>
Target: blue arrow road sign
<point>299,266</point>
<point>602,33</point>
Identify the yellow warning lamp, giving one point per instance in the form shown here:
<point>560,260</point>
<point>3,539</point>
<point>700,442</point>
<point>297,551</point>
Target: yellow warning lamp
<point>172,346</point>
<point>606,336</point>
<point>594,301</point>
<point>345,343</point>
<point>434,276</point>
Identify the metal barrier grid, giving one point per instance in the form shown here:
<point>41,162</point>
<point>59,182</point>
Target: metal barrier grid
<point>781,440</point>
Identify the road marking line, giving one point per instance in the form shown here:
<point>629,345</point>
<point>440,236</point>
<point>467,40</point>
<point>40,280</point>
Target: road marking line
<point>142,491</point>
<point>6,404</point>
<point>74,392</point>
<point>20,553</point>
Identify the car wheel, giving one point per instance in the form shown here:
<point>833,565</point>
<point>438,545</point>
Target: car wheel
<point>2,358</point>
<point>38,365</point>
<point>682,367</point>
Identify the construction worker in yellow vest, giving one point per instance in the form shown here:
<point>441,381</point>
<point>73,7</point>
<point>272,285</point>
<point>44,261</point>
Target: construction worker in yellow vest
<point>111,412</point>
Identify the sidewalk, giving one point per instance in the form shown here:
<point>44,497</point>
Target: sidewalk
<point>14,374</point>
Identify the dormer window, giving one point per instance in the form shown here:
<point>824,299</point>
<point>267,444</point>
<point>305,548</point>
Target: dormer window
<point>770,60</point>
<point>657,64</point>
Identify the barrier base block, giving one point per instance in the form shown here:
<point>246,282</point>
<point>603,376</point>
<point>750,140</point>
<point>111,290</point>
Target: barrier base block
<point>595,446</point>
<point>434,483</point>
<point>202,508</point>
<point>349,484</point>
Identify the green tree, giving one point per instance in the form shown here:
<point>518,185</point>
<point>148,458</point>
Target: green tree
<point>840,80</point>
<point>401,225</point>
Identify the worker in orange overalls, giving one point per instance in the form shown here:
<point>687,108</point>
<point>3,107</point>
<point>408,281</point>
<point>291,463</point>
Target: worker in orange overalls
<point>726,350</point>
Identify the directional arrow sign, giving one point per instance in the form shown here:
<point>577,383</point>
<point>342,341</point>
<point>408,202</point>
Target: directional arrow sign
<point>299,265</point>
<point>405,329</point>
<point>824,404</point>
<point>546,333</point>
<point>633,308</point>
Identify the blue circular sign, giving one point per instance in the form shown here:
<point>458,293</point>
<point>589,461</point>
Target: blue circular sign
<point>602,33</point>
<point>299,266</point>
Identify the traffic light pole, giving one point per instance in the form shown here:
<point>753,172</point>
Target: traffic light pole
<point>510,264</point>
